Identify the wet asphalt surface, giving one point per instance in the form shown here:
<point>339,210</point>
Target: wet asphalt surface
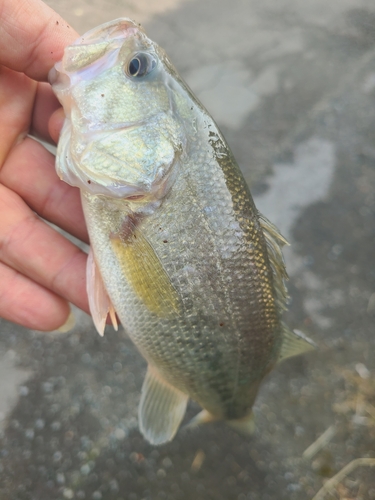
<point>292,85</point>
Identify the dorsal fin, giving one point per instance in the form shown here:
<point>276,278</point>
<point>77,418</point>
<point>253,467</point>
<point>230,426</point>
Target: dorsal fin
<point>275,241</point>
<point>294,342</point>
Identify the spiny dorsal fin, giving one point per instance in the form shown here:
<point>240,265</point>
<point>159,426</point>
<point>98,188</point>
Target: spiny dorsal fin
<point>294,343</point>
<point>275,241</point>
<point>161,409</point>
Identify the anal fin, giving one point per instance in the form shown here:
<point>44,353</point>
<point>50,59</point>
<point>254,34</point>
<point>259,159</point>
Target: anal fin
<point>161,409</point>
<point>99,302</point>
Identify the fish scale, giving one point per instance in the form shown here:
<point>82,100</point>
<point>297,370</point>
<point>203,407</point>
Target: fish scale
<point>178,248</point>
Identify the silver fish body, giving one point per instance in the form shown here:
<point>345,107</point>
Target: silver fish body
<point>180,252</point>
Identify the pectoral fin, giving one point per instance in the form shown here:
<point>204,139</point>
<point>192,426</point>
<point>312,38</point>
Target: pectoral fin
<point>295,343</point>
<point>99,302</point>
<point>145,273</point>
<point>161,409</point>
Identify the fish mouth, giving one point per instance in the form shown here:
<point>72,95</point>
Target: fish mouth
<point>107,38</point>
<point>112,188</point>
<point>107,155</point>
<point>133,195</point>
<point>128,192</point>
<point>129,184</point>
<point>133,161</point>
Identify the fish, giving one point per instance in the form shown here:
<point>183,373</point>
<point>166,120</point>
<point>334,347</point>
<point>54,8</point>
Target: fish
<point>179,252</point>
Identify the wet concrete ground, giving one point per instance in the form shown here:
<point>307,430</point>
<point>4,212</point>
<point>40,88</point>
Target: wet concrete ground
<point>292,85</point>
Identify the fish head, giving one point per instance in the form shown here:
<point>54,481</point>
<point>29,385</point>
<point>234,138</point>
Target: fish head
<point>121,137</point>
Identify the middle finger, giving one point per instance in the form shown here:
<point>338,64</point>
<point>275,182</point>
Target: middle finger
<point>30,246</point>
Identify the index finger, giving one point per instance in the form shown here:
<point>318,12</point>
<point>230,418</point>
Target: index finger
<point>32,37</point>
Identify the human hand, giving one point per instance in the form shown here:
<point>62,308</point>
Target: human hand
<point>40,270</point>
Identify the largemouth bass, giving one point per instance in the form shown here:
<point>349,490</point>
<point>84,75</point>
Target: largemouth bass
<point>178,248</point>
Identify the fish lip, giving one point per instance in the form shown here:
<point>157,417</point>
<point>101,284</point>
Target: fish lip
<point>102,128</point>
<point>123,25</point>
<point>135,194</point>
<point>120,190</point>
<point>113,34</point>
<point>80,179</point>
<point>127,192</point>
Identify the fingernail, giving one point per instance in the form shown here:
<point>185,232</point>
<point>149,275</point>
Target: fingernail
<point>69,323</point>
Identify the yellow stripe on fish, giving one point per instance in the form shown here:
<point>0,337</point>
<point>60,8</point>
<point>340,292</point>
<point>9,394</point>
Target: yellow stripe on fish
<point>145,273</point>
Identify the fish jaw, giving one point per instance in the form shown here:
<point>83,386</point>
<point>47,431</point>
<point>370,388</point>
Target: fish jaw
<point>85,56</point>
<point>113,164</point>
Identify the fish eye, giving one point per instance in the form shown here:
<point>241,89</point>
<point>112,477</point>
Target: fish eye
<point>140,65</point>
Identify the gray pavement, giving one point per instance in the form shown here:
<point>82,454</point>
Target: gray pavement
<point>292,85</point>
